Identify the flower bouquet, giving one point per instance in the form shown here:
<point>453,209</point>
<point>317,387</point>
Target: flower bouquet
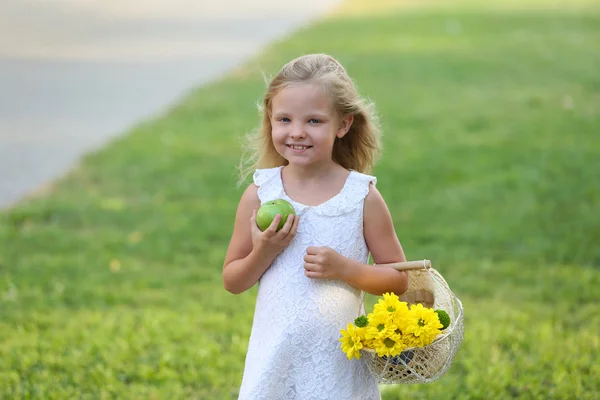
<point>412,338</point>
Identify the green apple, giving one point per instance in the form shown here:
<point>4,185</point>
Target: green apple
<point>267,212</point>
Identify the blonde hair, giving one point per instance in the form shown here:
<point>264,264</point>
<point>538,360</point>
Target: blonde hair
<point>357,150</point>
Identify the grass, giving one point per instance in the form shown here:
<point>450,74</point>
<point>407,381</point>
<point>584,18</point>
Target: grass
<point>110,286</point>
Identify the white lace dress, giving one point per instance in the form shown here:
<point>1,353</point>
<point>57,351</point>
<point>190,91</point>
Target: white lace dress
<point>294,352</point>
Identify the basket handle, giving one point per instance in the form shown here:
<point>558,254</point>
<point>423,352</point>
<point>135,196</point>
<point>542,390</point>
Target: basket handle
<point>400,266</point>
<point>408,265</point>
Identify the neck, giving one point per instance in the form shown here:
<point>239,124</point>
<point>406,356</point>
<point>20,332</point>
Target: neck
<point>313,173</point>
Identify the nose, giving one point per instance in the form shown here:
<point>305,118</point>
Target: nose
<point>297,132</point>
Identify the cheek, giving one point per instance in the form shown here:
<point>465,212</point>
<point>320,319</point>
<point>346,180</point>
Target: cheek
<point>277,135</point>
<point>325,138</point>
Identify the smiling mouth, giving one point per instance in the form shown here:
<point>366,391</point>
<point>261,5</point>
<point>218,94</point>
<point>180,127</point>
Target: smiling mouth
<point>298,147</point>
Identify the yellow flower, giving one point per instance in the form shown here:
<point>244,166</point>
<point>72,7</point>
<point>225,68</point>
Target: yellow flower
<point>394,310</point>
<point>422,327</point>
<point>380,326</point>
<point>351,341</point>
<point>383,335</point>
<point>361,332</point>
<point>389,346</point>
<point>390,304</point>
<point>401,318</point>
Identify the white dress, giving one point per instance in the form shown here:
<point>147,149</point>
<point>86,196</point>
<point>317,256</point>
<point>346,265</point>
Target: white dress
<point>294,352</point>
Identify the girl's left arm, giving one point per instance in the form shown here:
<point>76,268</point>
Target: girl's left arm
<point>326,263</point>
<point>384,246</point>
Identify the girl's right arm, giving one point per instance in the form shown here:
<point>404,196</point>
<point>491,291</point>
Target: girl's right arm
<point>251,251</point>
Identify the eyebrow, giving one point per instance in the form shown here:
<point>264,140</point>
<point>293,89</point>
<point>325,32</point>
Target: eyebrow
<point>309,115</point>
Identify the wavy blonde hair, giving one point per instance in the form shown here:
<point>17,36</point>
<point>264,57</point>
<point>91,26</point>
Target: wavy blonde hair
<point>357,150</point>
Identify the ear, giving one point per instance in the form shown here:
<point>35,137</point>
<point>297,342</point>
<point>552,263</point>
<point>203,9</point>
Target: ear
<point>345,124</point>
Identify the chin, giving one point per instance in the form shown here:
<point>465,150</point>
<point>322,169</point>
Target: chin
<point>303,163</point>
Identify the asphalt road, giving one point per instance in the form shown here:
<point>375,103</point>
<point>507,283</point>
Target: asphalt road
<point>76,73</point>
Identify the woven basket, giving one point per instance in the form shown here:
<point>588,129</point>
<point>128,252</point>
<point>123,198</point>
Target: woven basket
<point>428,363</point>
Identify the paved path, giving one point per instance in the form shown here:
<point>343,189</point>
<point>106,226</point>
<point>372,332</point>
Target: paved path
<point>74,73</point>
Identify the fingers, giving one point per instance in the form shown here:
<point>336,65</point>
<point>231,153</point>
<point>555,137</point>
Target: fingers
<point>310,274</point>
<point>312,250</point>
<point>312,270</point>
<point>289,229</point>
<point>285,230</point>
<point>272,229</point>
<point>311,258</point>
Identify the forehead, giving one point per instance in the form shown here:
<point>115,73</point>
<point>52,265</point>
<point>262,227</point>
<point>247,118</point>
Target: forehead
<point>304,97</point>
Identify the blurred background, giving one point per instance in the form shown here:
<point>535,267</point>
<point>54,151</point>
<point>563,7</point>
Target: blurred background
<point>121,125</point>
<point>74,73</point>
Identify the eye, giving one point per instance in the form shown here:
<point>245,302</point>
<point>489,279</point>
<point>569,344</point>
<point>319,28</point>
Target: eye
<point>313,121</point>
<point>284,119</point>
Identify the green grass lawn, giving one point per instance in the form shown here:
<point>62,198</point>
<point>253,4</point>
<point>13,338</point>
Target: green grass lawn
<point>110,286</point>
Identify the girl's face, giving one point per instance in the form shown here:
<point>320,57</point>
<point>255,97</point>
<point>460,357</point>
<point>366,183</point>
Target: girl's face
<point>305,125</point>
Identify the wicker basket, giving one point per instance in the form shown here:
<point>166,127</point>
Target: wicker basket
<point>428,363</point>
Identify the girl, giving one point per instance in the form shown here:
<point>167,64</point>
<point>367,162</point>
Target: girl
<point>316,141</point>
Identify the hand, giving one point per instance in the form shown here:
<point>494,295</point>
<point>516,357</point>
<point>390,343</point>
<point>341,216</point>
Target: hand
<point>324,263</point>
<point>272,242</point>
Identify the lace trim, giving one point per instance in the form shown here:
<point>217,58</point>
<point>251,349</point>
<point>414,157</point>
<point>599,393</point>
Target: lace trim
<point>356,188</point>
<point>268,186</point>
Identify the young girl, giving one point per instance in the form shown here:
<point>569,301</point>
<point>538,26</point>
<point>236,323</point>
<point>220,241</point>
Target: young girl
<point>317,141</point>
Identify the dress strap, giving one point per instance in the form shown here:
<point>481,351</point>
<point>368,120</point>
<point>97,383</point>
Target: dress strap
<point>269,183</point>
<point>352,195</point>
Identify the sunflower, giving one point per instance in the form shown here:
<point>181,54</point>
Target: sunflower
<point>422,327</point>
<point>351,341</point>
